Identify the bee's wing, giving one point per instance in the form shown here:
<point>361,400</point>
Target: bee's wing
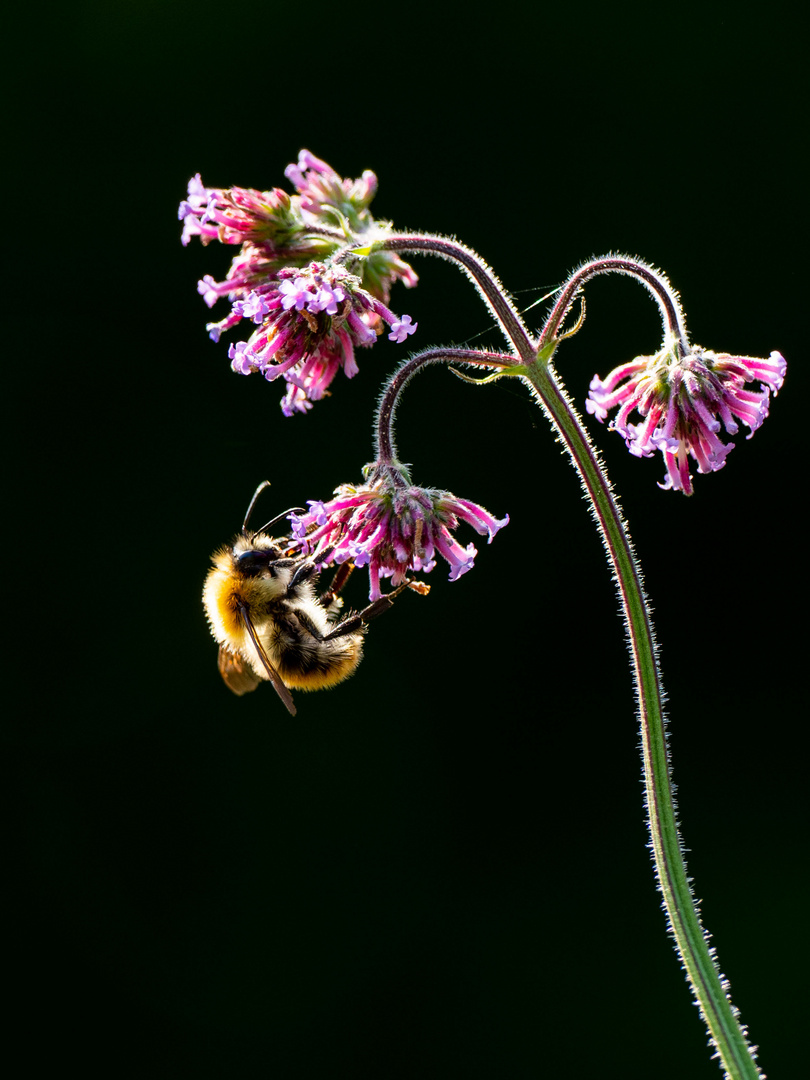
<point>236,672</point>
<point>272,674</point>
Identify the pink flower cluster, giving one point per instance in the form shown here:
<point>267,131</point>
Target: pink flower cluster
<point>392,527</point>
<point>320,186</point>
<point>684,401</point>
<point>296,278</point>
<point>236,215</point>
<point>310,320</point>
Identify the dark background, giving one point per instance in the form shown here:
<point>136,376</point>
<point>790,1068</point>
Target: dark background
<point>438,869</point>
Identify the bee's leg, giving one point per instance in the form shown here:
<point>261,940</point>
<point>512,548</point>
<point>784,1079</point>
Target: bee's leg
<point>354,622</point>
<point>304,572</point>
<point>342,575</point>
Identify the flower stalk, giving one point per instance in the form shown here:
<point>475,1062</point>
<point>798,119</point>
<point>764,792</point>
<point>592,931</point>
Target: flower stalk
<point>384,424</point>
<point>708,986</point>
<point>533,362</point>
<point>663,293</point>
<point>481,275</point>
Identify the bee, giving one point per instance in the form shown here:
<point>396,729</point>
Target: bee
<point>263,608</point>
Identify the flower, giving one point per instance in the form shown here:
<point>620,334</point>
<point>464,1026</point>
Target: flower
<point>682,400</point>
<point>309,322</point>
<point>235,215</point>
<point>401,328</point>
<point>322,191</point>
<point>392,526</point>
<point>298,275</point>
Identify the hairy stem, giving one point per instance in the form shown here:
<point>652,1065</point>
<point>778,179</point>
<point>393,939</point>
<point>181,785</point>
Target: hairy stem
<point>708,985</point>
<point>384,446</point>
<point>482,277</point>
<point>665,296</point>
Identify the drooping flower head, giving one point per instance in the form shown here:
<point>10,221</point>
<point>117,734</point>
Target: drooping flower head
<point>684,400</point>
<point>309,322</point>
<point>393,527</point>
<point>296,277</point>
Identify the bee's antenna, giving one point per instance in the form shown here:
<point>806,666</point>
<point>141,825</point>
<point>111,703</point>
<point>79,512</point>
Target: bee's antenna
<point>264,484</point>
<point>293,510</point>
<point>278,517</point>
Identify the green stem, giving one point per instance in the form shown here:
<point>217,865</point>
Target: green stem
<point>709,987</point>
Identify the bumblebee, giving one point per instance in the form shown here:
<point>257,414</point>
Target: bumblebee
<point>263,608</point>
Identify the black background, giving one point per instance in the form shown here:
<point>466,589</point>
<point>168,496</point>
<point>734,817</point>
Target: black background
<point>439,868</point>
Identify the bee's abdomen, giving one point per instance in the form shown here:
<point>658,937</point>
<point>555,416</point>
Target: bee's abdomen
<point>305,663</point>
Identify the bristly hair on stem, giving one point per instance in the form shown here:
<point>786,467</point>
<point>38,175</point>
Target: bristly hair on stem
<point>658,285</point>
<point>384,445</point>
<point>482,276</point>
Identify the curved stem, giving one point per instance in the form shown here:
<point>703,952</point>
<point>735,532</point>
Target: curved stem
<point>709,988</point>
<point>482,276</point>
<point>325,230</point>
<point>665,296</point>
<point>384,447</point>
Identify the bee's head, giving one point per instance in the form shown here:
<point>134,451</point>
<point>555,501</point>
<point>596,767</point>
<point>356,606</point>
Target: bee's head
<point>256,555</point>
